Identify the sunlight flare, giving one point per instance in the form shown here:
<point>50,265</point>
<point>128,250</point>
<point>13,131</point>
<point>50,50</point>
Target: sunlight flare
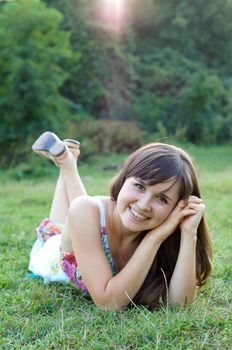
<point>112,12</point>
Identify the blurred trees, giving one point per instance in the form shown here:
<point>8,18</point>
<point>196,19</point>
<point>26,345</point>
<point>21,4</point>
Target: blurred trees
<point>34,53</point>
<point>102,81</point>
<point>168,69</point>
<point>186,62</point>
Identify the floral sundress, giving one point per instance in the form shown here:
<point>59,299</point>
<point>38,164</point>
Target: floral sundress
<point>49,262</point>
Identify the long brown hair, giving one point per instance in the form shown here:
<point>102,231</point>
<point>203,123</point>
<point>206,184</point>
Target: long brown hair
<point>155,163</point>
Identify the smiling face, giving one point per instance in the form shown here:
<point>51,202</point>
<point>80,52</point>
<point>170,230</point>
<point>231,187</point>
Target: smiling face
<point>143,207</point>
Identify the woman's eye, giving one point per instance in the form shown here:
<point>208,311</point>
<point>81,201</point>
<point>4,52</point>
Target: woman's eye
<point>139,186</point>
<point>163,200</point>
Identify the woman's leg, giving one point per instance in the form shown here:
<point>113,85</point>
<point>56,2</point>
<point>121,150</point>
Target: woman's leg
<point>60,203</point>
<point>68,187</point>
<point>72,183</point>
<point>70,175</point>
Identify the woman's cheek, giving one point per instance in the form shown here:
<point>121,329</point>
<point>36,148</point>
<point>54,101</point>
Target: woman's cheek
<point>163,212</point>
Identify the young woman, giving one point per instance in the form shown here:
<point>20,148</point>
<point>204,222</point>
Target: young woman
<point>146,242</point>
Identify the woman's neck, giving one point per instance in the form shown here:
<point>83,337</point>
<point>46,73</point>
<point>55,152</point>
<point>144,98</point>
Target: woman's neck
<point>122,242</point>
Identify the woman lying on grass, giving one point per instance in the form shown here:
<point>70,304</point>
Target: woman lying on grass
<point>146,242</point>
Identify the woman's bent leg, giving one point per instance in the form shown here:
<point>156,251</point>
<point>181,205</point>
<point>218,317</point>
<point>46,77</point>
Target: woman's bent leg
<point>74,188</point>
<point>70,175</point>
<point>69,185</point>
<point>60,203</point>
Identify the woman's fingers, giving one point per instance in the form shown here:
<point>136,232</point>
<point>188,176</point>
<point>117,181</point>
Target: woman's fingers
<point>189,203</point>
<point>198,207</point>
<point>194,199</point>
<point>191,217</point>
<point>187,214</point>
<point>185,202</point>
<point>194,208</point>
<point>188,211</point>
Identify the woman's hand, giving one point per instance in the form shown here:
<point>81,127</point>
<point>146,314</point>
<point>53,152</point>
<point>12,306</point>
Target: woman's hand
<point>190,223</point>
<point>187,214</point>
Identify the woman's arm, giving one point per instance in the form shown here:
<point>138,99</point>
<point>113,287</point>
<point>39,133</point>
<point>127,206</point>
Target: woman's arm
<point>106,290</point>
<point>182,287</point>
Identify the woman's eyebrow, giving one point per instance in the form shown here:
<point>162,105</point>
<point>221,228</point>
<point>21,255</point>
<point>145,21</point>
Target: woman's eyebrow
<point>141,181</point>
<point>164,195</point>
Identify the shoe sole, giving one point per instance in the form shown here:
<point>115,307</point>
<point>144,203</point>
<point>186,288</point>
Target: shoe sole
<point>48,144</point>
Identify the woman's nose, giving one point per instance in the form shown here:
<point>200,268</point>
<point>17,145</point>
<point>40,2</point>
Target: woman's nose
<point>144,202</point>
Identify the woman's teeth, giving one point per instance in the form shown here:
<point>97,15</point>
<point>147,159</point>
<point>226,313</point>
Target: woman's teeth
<point>137,215</point>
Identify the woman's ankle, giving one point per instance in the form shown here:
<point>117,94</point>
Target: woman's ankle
<point>66,161</point>
<point>74,147</point>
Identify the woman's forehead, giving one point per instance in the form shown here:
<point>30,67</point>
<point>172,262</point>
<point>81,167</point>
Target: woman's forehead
<point>170,184</point>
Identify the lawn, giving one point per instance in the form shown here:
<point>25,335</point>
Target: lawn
<point>56,316</point>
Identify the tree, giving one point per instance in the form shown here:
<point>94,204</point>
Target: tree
<point>159,71</point>
<point>185,54</point>
<point>101,81</point>
<point>34,55</point>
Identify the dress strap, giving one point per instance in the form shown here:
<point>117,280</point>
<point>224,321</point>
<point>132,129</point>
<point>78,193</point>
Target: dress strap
<point>104,238</point>
<point>102,212</point>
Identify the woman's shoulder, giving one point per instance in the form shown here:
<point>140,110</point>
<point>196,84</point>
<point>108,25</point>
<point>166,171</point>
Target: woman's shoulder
<point>90,209</point>
<point>83,202</point>
<point>90,201</point>
<point>88,206</point>
<point>84,215</point>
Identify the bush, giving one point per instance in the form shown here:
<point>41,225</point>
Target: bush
<point>34,55</point>
<point>183,99</point>
<point>106,136</point>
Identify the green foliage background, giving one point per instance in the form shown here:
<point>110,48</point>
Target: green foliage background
<point>168,70</point>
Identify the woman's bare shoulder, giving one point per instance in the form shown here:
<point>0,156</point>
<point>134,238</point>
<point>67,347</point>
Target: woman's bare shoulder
<point>84,208</point>
<point>87,201</point>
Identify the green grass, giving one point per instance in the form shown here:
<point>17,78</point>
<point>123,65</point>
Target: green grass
<point>56,316</point>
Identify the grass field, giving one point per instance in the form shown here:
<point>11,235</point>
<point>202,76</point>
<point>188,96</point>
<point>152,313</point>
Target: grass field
<point>56,316</point>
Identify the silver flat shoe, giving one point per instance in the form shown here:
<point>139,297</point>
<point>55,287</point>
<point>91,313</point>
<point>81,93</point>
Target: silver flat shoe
<point>49,145</point>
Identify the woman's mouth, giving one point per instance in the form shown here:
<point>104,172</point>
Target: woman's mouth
<point>137,215</point>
